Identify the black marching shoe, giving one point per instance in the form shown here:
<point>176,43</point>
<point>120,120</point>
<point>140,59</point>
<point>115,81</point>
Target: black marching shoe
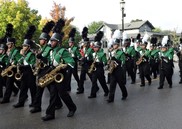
<point>110,101</point>
<point>92,96</point>
<point>149,83</point>
<point>142,85</point>
<point>170,86</point>
<point>48,117</point>
<point>123,98</point>
<point>133,82</point>
<point>58,107</point>
<point>18,105</point>
<point>79,92</point>
<point>160,87</point>
<point>4,101</point>
<point>106,94</point>
<point>31,105</point>
<point>35,110</point>
<point>71,113</point>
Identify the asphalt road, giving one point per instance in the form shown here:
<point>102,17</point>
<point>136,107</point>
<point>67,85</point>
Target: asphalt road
<point>145,108</point>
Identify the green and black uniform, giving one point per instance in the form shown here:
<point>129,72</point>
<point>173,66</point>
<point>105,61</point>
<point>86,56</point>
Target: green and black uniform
<point>130,54</point>
<point>44,57</point>
<point>117,76</point>
<point>75,54</point>
<point>144,67</point>
<point>154,62</point>
<point>28,79</point>
<point>98,74</point>
<point>85,63</point>
<point>3,63</point>
<point>166,67</point>
<point>13,58</point>
<point>60,55</point>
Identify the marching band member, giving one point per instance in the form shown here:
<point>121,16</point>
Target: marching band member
<point>43,58</point>
<point>166,63</point>
<point>117,74</point>
<point>74,51</point>
<point>24,70</point>
<point>143,62</point>
<point>59,56</point>
<point>179,54</point>
<point>85,61</point>
<point>97,67</point>
<point>3,63</point>
<point>130,54</point>
<point>109,59</point>
<point>13,57</point>
<point>154,57</point>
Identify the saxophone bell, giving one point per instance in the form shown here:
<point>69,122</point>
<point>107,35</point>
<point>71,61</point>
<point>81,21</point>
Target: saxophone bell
<point>18,76</point>
<point>10,73</point>
<point>59,77</point>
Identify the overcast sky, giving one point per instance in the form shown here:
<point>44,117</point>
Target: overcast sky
<point>161,13</point>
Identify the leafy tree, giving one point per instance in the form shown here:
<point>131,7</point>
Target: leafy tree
<point>20,16</point>
<point>93,26</point>
<point>58,12</point>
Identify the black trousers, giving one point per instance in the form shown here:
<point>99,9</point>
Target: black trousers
<point>10,87</point>
<point>84,71</point>
<point>27,82</point>
<point>144,69</point>
<point>117,77</point>
<point>180,69</point>
<point>38,98</point>
<point>2,84</point>
<point>74,72</point>
<point>98,75</point>
<point>130,68</point>
<point>153,68</point>
<point>59,89</point>
<point>166,73</point>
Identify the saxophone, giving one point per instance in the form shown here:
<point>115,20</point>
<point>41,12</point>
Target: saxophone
<point>39,65</point>
<point>112,65</point>
<point>8,71</point>
<point>52,76</point>
<point>18,75</point>
<point>92,67</point>
<point>139,61</point>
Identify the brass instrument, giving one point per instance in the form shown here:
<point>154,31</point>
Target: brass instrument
<point>92,67</point>
<point>112,65</point>
<point>139,61</point>
<point>18,75</point>
<point>39,65</point>
<point>52,76</point>
<point>8,71</point>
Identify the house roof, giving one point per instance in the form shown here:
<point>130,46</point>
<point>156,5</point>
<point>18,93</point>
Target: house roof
<point>127,26</point>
